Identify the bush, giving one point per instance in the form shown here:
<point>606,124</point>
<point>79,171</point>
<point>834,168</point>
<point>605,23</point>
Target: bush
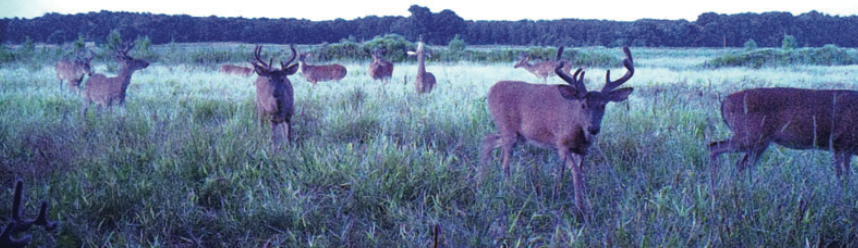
<point>750,45</point>
<point>826,55</point>
<point>789,43</point>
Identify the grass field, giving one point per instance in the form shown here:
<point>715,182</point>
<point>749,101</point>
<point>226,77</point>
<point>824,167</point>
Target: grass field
<point>186,164</point>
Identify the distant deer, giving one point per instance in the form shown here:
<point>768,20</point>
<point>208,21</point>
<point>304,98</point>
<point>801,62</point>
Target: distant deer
<point>17,223</point>
<point>424,81</point>
<point>74,71</point>
<point>793,118</point>
<point>542,69</point>
<point>319,73</point>
<point>380,69</point>
<point>274,93</point>
<point>565,117</point>
<point>108,91</point>
<point>236,70</point>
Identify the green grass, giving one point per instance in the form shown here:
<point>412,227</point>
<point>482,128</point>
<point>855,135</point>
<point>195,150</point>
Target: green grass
<point>186,164</point>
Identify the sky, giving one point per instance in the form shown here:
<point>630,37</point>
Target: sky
<point>318,10</point>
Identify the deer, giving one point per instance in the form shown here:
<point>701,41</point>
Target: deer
<point>109,91</point>
<point>424,81</point>
<point>542,69</point>
<point>236,70</point>
<point>74,71</point>
<point>564,117</point>
<point>19,225</point>
<point>274,94</point>
<point>320,73</point>
<point>793,118</point>
<point>380,69</point>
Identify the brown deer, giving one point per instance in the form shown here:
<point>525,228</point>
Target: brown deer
<point>236,70</point>
<point>565,117</point>
<point>542,69</point>
<point>380,69</point>
<point>108,91</point>
<point>274,93</point>
<point>74,71</point>
<point>319,73</point>
<point>424,81</point>
<point>793,118</point>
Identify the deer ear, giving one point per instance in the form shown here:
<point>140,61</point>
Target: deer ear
<point>569,92</point>
<point>292,69</point>
<point>620,95</point>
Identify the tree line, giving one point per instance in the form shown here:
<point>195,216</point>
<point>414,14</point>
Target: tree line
<point>812,29</point>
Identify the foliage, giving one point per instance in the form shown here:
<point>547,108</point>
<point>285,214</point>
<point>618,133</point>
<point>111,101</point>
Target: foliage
<point>789,43</point>
<point>113,42</point>
<point>709,29</point>
<point>750,45</point>
<point>455,50</point>
<point>827,55</point>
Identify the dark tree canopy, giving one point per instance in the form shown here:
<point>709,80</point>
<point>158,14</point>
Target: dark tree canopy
<point>768,29</point>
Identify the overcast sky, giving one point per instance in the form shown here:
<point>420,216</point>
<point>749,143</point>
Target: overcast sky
<point>620,10</point>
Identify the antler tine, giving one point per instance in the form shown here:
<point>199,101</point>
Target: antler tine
<point>575,80</point>
<point>630,70</point>
<point>559,53</point>
<point>294,54</point>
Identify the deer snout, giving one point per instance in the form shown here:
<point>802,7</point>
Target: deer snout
<point>594,130</point>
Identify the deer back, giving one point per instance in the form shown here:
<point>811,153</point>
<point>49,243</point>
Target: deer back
<point>317,73</point>
<point>794,118</point>
<point>236,70</point>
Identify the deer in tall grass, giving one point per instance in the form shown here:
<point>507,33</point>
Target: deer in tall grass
<point>274,94</point>
<point>380,69</point>
<point>793,118</point>
<point>74,71</point>
<point>542,69</point>
<point>236,70</point>
<point>564,117</point>
<point>424,81</point>
<point>109,91</point>
<point>320,73</point>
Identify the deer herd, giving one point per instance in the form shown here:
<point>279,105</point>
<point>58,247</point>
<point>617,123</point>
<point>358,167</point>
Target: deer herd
<point>565,117</point>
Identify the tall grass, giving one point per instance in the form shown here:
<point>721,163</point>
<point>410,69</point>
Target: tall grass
<point>185,163</point>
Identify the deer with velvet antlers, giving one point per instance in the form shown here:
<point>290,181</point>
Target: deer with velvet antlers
<point>274,94</point>
<point>564,117</point>
<point>109,91</point>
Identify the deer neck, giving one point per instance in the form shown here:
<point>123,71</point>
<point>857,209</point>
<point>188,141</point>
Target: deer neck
<point>421,67</point>
<point>124,76</point>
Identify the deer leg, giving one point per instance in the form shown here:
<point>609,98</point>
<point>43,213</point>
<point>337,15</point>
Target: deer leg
<point>288,129</point>
<point>842,162</point>
<point>715,150</point>
<point>489,144</point>
<point>577,179</point>
<point>508,143</point>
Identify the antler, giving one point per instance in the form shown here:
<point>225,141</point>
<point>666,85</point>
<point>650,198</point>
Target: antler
<point>294,54</point>
<point>630,70</point>
<point>123,49</point>
<point>18,225</point>
<point>257,62</point>
<point>576,81</point>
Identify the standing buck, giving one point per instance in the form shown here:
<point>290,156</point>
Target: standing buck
<point>543,69</point>
<point>319,73</point>
<point>565,117</point>
<point>73,71</point>
<point>793,118</point>
<point>380,69</point>
<point>424,81</point>
<point>236,70</point>
<point>274,93</point>
<point>108,91</point>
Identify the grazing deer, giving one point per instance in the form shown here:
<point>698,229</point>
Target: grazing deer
<point>380,69</point>
<point>274,93</point>
<point>19,225</point>
<point>108,91</point>
<point>793,118</point>
<point>236,70</point>
<point>74,71</point>
<point>565,117</point>
<point>319,73</point>
<point>543,69</point>
<point>424,81</point>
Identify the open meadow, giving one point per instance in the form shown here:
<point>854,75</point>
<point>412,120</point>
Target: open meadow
<point>187,164</point>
